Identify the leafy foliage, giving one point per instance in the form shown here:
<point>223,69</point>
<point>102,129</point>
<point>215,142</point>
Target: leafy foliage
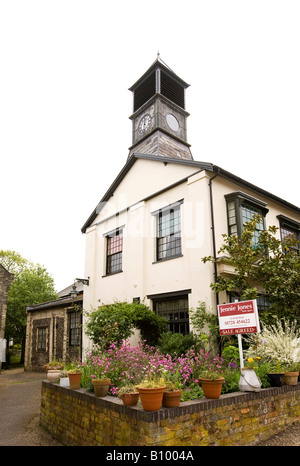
<point>32,285</point>
<point>271,265</point>
<point>117,322</point>
<point>176,344</point>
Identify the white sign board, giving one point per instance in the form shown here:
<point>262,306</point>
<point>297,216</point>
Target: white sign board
<point>239,317</point>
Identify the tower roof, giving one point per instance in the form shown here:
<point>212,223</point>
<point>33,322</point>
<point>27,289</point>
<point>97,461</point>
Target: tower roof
<point>159,63</point>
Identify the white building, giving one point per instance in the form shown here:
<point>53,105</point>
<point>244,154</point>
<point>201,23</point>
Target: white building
<point>165,211</point>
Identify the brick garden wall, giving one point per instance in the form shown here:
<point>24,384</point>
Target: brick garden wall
<point>78,417</point>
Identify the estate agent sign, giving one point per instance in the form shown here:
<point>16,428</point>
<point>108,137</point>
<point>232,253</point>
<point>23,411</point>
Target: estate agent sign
<point>239,317</point>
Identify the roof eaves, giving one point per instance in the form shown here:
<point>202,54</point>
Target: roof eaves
<point>236,179</point>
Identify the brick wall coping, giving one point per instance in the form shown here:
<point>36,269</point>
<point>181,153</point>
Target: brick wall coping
<point>186,407</point>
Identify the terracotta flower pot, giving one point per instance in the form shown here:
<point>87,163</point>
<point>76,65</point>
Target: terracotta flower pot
<point>171,399</point>
<point>75,380</point>
<point>151,398</point>
<point>291,378</point>
<point>101,387</point>
<point>130,399</point>
<point>53,376</point>
<point>212,388</point>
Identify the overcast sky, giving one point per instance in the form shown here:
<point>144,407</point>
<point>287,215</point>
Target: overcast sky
<point>66,66</point>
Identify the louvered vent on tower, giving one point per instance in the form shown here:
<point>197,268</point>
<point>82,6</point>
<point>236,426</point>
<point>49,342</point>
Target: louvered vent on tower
<point>171,89</point>
<point>144,91</point>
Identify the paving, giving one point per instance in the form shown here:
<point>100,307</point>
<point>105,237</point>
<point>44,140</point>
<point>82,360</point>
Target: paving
<point>20,397</point>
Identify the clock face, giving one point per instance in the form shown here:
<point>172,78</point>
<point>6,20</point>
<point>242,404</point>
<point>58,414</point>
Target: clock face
<point>144,123</point>
<point>172,122</point>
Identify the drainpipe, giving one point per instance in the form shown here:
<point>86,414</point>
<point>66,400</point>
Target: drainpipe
<point>213,230</point>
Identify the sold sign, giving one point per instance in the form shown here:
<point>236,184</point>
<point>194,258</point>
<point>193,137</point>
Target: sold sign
<point>238,317</point>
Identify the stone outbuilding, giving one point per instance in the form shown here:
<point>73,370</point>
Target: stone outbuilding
<point>54,330</point>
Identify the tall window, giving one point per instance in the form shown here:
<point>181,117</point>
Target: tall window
<point>168,239</point>
<point>240,209</point>
<point>42,338</point>
<point>175,311</point>
<point>75,328</point>
<point>114,252</point>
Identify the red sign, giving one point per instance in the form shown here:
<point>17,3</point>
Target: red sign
<point>238,317</point>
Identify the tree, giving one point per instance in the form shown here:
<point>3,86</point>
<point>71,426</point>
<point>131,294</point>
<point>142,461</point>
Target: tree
<point>32,285</point>
<point>270,265</point>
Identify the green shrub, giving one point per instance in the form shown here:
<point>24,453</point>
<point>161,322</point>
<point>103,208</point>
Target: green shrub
<point>117,322</point>
<point>176,343</point>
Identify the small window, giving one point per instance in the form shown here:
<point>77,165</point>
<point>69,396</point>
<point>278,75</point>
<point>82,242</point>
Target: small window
<point>168,238</point>
<point>75,329</point>
<point>114,252</point>
<point>42,338</point>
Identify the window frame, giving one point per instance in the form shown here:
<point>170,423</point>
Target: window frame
<point>76,330</point>
<point>171,298</point>
<point>175,237</point>
<point>239,199</point>
<point>293,226</point>
<point>41,331</point>
<point>118,255</point>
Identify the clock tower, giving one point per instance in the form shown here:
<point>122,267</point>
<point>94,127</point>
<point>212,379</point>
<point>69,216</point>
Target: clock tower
<point>159,115</point>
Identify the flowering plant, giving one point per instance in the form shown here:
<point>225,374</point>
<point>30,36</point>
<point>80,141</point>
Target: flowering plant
<point>212,374</point>
<point>280,341</point>
<point>252,363</point>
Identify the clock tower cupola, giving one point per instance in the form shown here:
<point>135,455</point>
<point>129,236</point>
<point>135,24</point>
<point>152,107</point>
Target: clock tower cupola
<point>159,115</point>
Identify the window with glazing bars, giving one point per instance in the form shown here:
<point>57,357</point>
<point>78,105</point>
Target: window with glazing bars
<point>248,211</point>
<point>240,209</point>
<point>41,338</point>
<point>176,312</point>
<point>114,252</point>
<point>169,233</point>
<point>286,232</point>
<point>75,328</point>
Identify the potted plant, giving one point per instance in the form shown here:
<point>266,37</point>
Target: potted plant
<point>291,374</point>
<point>211,383</point>
<point>75,374</point>
<point>129,395</point>
<point>53,375</point>
<point>173,391</point>
<point>64,379</point>
<point>249,382</point>
<point>276,374</point>
<point>151,392</point>
<point>55,364</point>
<point>100,385</point>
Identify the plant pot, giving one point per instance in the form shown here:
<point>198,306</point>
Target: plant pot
<point>212,388</point>
<point>53,376</point>
<point>101,387</point>
<point>291,378</point>
<point>249,382</point>
<point>75,380</point>
<point>171,399</point>
<point>64,382</point>
<point>151,398</point>
<point>130,399</point>
<point>276,379</point>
